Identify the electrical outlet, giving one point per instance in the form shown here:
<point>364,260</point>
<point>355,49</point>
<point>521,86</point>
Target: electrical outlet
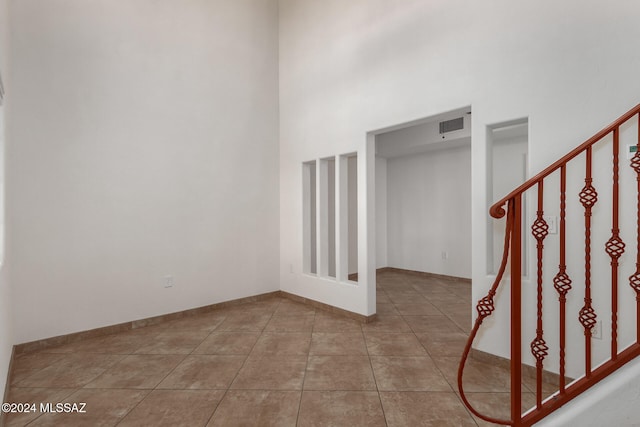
<point>445,255</point>
<point>552,222</point>
<point>596,332</point>
<point>168,281</point>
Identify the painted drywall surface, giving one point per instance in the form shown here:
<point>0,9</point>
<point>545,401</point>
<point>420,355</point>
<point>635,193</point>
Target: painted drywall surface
<point>352,191</point>
<point>6,306</point>
<point>350,68</point>
<point>143,144</point>
<point>381,213</point>
<point>614,402</point>
<point>6,328</point>
<point>508,171</point>
<point>423,137</point>
<point>429,212</point>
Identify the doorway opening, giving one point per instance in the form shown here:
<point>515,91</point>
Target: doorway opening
<point>423,217</point>
<point>423,196</point>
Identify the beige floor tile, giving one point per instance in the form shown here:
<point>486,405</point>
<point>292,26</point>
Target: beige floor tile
<point>33,396</point>
<point>462,289</point>
<point>268,306</point>
<point>245,322</point>
<point>29,364</point>
<point>202,322</point>
<point>143,332</point>
<point>386,323</point>
<point>389,309</point>
<point>417,309</point>
<point>83,346</point>
<point>338,343</point>
<point>382,298</point>
<point>204,372</point>
<point>271,373</point>
<point>459,308</point>
<point>443,301</point>
<point>137,371</point>
<point>259,408</point>
<point>267,353</point>
<point>408,374</point>
<point>463,322</point>
<point>405,297</point>
<point>290,308</point>
<point>103,408</point>
<point>434,326</point>
<point>173,408</point>
<point>496,405</point>
<point>231,343</point>
<point>478,376</point>
<point>110,344</point>
<point>431,288</point>
<point>339,373</point>
<point>71,371</point>
<point>328,322</point>
<point>174,342</point>
<point>388,344</point>
<point>340,408</point>
<point>291,323</point>
<point>425,409</point>
<point>451,345</point>
<point>281,343</point>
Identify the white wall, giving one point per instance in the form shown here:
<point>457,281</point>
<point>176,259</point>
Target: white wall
<point>381,213</point>
<point>613,402</point>
<point>429,212</point>
<point>508,171</point>
<point>351,68</point>
<point>352,213</point>
<point>6,306</point>
<point>143,143</point>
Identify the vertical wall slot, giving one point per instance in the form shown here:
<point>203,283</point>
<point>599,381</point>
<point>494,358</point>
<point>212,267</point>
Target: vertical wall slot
<point>508,147</point>
<point>309,218</point>
<point>330,217</point>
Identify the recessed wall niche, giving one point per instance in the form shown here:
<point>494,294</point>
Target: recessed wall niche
<point>330,217</point>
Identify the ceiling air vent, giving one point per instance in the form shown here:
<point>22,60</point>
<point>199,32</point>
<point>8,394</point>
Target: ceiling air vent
<point>451,125</point>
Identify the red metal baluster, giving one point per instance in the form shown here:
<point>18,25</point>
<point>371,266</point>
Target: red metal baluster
<point>615,247</point>
<point>634,280</point>
<point>485,307</point>
<point>516,312</point>
<point>562,282</point>
<point>588,198</point>
<point>539,348</point>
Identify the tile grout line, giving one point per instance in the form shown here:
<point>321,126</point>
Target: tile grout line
<point>373,373</point>
<point>169,373</point>
<point>226,391</point>
<point>304,376</point>
<point>273,313</point>
<point>64,398</point>
<point>435,364</point>
<point>150,390</point>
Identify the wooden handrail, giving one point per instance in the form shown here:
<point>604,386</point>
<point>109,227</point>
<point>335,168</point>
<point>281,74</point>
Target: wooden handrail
<point>497,211</point>
<point>562,283</point>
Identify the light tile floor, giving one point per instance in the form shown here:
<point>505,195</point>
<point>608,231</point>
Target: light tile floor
<point>276,363</point>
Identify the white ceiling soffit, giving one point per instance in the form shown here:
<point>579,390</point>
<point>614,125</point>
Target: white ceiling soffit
<point>424,137</point>
<point>510,132</point>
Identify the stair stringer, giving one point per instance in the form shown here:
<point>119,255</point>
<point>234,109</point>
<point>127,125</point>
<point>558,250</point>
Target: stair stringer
<point>614,401</point>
